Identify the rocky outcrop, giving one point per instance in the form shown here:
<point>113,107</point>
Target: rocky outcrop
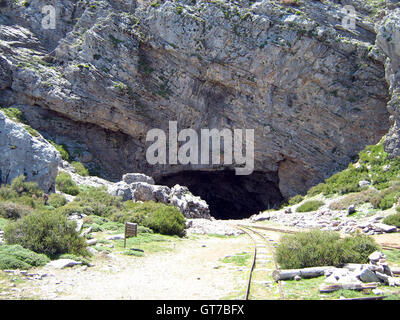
<point>306,86</point>
<point>23,154</point>
<point>388,40</point>
<point>190,205</point>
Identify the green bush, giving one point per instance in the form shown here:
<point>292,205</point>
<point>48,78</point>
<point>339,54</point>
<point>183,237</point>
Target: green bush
<point>101,202</point>
<point>7,193</point>
<point>17,257</point>
<point>48,232</point>
<point>311,205</point>
<point>56,200</point>
<point>167,219</point>
<point>393,219</point>
<point>11,210</point>
<point>323,248</point>
<point>64,183</point>
<point>62,149</point>
<point>22,187</point>
<point>295,200</point>
<point>80,168</point>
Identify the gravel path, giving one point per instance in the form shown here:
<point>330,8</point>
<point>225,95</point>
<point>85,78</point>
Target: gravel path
<point>188,272</point>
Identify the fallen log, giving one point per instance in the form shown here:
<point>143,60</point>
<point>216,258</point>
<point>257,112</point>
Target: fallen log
<point>289,274</point>
<point>326,288</point>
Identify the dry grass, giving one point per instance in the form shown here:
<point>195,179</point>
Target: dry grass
<point>357,198</point>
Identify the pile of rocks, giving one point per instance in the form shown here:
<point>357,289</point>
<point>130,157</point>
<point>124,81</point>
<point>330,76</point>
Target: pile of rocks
<point>140,187</point>
<point>325,219</point>
<point>28,275</point>
<point>377,271</point>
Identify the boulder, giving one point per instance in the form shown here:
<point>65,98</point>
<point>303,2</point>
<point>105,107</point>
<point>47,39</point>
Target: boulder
<point>63,263</point>
<point>130,178</point>
<point>367,275</point>
<point>143,191</point>
<point>24,154</point>
<point>384,227</point>
<point>191,206</point>
<point>376,256</point>
<point>121,189</point>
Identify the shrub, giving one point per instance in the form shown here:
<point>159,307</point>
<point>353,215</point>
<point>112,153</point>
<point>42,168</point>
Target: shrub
<point>311,205</point>
<point>323,248</point>
<point>393,219</point>
<point>295,200</point>
<point>354,198</point>
<point>101,202</point>
<point>65,184</point>
<point>80,169</point>
<point>7,193</point>
<point>61,149</point>
<point>11,210</point>
<point>56,200</point>
<point>16,257</point>
<point>22,187</point>
<point>167,219</point>
<point>49,233</point>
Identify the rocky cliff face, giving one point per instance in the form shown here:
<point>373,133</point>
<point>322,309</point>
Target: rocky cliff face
<point>314,93</point>
<point>23,154</point>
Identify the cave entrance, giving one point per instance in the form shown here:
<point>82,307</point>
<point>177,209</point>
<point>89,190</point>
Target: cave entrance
<point>230,196</point>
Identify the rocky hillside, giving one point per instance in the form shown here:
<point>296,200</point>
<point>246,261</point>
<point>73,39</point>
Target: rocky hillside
<point>315,93</point>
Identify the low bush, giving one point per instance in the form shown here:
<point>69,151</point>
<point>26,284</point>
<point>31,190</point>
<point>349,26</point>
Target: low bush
<point>45,232</point>
<point>100,201</point>
<point>56,200</point>
<point>62,149</point>
<point>64,183</point>
<point>295,200</point>
<point>80,168</point>
<point>23,187</point>
<point>354,198</point>
<point>167,219</point>
<point>323,248</point>
<point>393,219</point>
<point>311,205</point>
<point>11,210</point>
<point>17,257</point>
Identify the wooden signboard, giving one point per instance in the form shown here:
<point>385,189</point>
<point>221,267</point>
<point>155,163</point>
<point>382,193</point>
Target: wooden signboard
<point>130,231</point>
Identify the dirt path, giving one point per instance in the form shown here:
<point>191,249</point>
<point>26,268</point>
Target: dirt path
<point>191,271</point>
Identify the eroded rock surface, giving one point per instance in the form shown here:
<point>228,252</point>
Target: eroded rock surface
<point>314,93</point>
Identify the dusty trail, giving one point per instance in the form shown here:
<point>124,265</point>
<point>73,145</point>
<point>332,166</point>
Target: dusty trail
<point>191,271</point>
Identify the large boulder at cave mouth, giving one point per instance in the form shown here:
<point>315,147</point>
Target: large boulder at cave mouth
<point>23,154</point>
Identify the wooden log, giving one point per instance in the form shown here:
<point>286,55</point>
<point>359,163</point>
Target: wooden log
<point>326,288</point>
<point>289,274</point>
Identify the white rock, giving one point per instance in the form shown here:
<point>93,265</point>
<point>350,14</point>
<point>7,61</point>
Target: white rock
<point>63,263</point>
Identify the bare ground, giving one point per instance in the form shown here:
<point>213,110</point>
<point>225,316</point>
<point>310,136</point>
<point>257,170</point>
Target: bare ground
<point>191,271</point>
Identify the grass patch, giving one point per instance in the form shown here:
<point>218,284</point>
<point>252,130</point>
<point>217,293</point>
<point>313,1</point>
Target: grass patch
<point>393,219</point>
<point>239,259</point>
<point>80,168</point>
<point>311,205</point>
<point>65,184</point>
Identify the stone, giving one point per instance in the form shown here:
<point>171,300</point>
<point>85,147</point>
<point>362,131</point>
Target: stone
<point>190,205</point>
<point>378,292</point>
<point>366,275</point>
<point>121,189</point>
<point>116,237</point>
<point>24,154</point>
<point>384,227</point>
<point>130,178</point>
<point>91,242</point>
<point>351,209</point>
<point>63,263</point>
<point>364,183</point>
<point>297,278</point>
<point>142,191</point>
<point>376,256</point>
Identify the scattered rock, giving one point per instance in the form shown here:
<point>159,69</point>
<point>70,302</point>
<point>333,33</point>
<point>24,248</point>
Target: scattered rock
<point>63,263</point>
<point>116,237</point>
<point>130,178</point>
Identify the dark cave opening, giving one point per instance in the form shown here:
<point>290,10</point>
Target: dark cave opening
<point>230,196</point>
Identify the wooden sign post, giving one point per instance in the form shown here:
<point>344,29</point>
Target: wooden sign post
<point>130,231</point>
